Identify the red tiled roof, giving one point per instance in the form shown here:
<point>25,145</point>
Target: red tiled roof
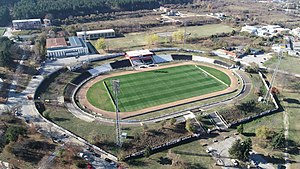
<point>56,42</point>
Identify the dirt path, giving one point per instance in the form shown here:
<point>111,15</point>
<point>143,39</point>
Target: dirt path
<point>286,136</point>
<point>84,102</point>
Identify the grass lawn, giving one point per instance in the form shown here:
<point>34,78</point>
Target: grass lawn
<point>134,41</point>
<point>152,88</point>
<point>285,64</point>
<point>2,30</point>
<point>289,99</point>
<point>193,154</point>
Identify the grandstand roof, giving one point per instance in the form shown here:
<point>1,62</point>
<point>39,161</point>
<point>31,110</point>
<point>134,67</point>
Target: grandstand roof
<point>55,43</point>
<point>96,32</point>
<point>138,53</point>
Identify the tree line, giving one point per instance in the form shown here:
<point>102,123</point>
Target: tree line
<point>20,9</point>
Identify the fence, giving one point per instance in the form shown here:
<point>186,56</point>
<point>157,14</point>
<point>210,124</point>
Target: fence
<point>165,146</point>
<point>181,57</point>
<point>250,118</point>
<point>39,108</point>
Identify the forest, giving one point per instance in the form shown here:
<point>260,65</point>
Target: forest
<point>22,9</point>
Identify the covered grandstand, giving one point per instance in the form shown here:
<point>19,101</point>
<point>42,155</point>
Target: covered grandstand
<point>100,69</point>
<point>140,57</point>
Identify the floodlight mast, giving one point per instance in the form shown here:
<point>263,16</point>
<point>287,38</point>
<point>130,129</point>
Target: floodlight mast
<point>116,91</point>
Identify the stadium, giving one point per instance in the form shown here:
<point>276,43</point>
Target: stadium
<point>164,82</point>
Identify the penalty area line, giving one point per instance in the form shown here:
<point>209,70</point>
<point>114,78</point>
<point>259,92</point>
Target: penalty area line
<point>211,75</point>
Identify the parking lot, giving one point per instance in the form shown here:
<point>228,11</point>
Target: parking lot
<point>219,151</point>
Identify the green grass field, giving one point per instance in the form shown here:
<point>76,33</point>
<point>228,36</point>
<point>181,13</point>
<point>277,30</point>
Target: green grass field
<point>285,64</point>
<point>153,88</point>
<point>132,41</point>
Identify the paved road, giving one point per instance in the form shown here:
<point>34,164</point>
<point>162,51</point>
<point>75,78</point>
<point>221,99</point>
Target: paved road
<point>29,111</point>
<point>8,32</point>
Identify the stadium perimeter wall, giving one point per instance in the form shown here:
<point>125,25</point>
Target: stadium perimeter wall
<point>44,84</point>
<point>250,118</point>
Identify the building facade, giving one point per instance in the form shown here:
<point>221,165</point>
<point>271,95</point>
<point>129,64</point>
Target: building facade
<point>27,24</point>
<point>107,33</point>
<point>58,47</point>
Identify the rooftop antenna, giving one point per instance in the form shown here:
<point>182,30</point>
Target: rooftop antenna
<point>116,91</point>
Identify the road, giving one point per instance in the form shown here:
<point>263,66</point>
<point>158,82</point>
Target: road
<point>29,111</point>
<point>8,32</point>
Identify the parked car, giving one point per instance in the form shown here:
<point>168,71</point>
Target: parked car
<point>235,162</point>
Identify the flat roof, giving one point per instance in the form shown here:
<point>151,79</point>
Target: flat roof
<point>138,53</point>
<point>55,43</point>
<point>96,32</point>
<point>75,41</point>
<point>26,20</point>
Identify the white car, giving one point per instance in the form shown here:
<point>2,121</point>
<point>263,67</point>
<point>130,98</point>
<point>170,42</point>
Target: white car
<point>209,150</point>
<point>235,162</point>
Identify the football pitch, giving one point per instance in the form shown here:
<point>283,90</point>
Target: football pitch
<point>152,88</point>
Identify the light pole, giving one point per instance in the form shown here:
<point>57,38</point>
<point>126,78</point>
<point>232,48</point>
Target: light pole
<point>116,91</point>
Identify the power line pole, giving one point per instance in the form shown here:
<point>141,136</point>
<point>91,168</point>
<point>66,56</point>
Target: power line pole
<point>266,98</point>
<point>184,36</point>
<point>116,91</point>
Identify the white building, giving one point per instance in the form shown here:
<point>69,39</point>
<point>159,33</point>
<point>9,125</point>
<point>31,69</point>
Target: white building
<point>265,31</point>
<point>296,32</point>
<point>96,34</point>
<point>296,46</point>
<point>249,29</point>
<point>58,47</point>
<point>26,24</point>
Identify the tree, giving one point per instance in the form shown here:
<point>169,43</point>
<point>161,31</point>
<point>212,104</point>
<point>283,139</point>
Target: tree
<point>145,127</point>
<point>152,39</point>
<point>241,149</point>
<point>147,152</point>
<point>172,121</point>
<point>39,47</point>
<point>263,132</point>
<point>121,155</point>
<point>163,123</point>
<point>238,63</point>
<point>240,129</point>
<point>4,16</point>
<point>188,126</point>
<point>12,133</point>
<point>253,68</point>
<point>247,106</point>
<point>178,36</point>
<point>100,44</point>
<point>5,55</point>
<point>278,140</point>
<point>199,118</point>
<point>5,59</point>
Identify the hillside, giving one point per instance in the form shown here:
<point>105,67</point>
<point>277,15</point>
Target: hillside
<point>18,9</point>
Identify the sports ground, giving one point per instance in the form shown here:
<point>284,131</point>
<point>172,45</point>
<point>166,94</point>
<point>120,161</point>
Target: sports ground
<point>156,87</point>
